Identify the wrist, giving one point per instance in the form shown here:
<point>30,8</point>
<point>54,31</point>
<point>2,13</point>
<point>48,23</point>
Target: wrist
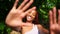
<point>52,32</point>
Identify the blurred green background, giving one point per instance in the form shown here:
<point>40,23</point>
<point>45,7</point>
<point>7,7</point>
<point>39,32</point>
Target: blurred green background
<point>43,7</point>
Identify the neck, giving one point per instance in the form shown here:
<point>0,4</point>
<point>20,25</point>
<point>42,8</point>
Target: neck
<point>28,21</point>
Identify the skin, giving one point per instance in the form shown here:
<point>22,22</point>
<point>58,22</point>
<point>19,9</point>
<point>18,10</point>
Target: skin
<point>29,23</point>
<point>54,23</point>
<point>32,15</point>
<point>15,16</point>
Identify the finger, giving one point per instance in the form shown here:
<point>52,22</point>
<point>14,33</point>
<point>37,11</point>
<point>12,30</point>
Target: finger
<point>54,14</point>
<point>15,4</point>
<point>22,4</point>
<point>27,5</point>
<point>33,8</point>
<point>50,17</point>
<point>59,17</point>
<point>52,32</point>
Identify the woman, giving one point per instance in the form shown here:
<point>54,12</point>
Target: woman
<point>33,26</point>
<point>16,15</point>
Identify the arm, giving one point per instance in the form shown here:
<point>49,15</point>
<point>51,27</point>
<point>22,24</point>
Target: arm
<point>41,28</point>
<point>15,16</point>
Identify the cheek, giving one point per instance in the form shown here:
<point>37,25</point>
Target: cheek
<point>33,17</point>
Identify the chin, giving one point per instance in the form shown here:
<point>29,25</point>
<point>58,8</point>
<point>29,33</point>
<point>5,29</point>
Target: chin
<point>29,20</point>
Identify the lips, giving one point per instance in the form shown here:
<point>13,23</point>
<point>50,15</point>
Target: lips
<point>29,17</point>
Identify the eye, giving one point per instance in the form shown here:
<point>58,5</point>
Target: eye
<point>29,12</point>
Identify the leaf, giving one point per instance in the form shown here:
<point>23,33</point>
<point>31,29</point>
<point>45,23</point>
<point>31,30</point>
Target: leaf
<point>2,26</point>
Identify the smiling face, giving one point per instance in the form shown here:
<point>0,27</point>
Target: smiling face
<point>31,15</point>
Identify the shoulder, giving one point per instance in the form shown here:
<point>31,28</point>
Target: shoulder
<point>40,27</point>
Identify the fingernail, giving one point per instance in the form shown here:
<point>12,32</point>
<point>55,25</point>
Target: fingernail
<point>25,0</point>
<point>59,10</point>
<point>50,12</point>
<point>54,8</point>
<point>17,0</point>
<point>34,7</point>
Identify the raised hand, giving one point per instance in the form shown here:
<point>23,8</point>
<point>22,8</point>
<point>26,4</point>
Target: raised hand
<point>15,16</point>
<point>54,23</point>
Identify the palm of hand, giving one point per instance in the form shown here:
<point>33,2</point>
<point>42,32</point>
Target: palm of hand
<point>54,25</point>
<point>15,16</point>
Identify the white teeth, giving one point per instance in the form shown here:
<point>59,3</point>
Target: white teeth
<point>29,17</point>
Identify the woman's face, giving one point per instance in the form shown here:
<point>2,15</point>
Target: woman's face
<point>31,15</point>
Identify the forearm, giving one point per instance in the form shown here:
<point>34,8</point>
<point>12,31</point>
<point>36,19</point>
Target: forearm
<point>13,23</point>
<point>51,32</point>
<point>46,31</point>
<point>54,32</point>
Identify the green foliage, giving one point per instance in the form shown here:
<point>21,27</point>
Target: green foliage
<point>43,7</point>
